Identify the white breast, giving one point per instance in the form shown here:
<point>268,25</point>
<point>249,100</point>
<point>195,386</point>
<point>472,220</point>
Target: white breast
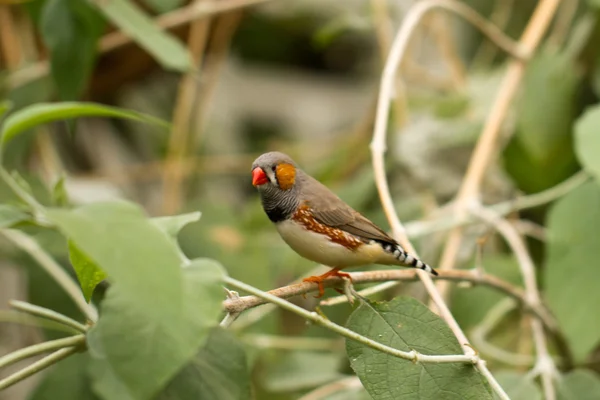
<point>318,247</point>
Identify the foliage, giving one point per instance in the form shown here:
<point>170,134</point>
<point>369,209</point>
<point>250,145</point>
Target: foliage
<point>142,286</point>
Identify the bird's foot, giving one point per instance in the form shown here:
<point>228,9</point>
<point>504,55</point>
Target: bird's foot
<point>318,279</point>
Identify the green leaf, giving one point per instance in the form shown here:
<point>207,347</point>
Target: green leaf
<point>67,380</point>
<point>540,154</point>
<point>159,340</point>
<point>165,48</point>
<point>43,113</point>
<point>580,384</point>
<point>406,324</point>
<point>518,386</point>
<point>88,272</point>
<point>218,371</point>
<point>11,215</point>
<point>172,225</point>
<point>571,271</point>
<point>128,247</point>
<point>70,29</point>
<point>587,140</point>
<point>301,370</point>
<point>59,192</point>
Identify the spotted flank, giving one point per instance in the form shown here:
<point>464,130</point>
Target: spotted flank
<point>401,255</point>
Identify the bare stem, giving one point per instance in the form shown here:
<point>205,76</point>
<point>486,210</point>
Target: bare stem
<point>544,363</point>
<point>30,246</point>
<point>487,145</point>
<point>409,275</point>
<point>37,366</point>
<point>319,320</point>
<point>47,314</point>
<point>40,348</point>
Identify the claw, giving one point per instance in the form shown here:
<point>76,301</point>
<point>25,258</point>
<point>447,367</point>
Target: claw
<point>320,278</point>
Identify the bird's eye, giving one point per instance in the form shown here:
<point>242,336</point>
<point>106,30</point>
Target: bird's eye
<point>274,168</point>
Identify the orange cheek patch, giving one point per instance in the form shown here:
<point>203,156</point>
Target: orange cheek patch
<point>286,176</point>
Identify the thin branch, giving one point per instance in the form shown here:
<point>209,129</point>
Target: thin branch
<point>412,355</point>
<point>47,314</point>
<point>408,275</point>
<point>31,247</point>
<point>425,227</point>
<point>487,144</point>
<point>378,144</point>
<point>37,366</point>
<point>41,348</point>
<point>544,363</point>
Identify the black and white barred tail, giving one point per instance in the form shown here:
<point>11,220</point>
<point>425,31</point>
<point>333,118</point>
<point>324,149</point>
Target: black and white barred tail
<point>407,259</point>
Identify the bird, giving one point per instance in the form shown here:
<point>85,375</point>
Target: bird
<point>320,226</point>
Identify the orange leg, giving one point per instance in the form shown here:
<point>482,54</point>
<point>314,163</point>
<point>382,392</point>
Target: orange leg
<point>320,278</point>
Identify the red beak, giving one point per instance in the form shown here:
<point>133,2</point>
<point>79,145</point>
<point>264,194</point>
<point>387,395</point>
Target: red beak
<point>259,177</point>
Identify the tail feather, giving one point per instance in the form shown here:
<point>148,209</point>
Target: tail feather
<point>407,259</point>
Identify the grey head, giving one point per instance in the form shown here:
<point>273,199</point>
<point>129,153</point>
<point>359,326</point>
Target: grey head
<point>275,176</point>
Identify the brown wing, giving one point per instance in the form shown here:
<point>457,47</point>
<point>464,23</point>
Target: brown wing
<point>330,210</point>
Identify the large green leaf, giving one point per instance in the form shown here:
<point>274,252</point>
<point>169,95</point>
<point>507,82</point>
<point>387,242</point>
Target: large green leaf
<point>128,247</point>
<point>518,386</point>
<point>42,113</point>
<point>88,272</point>
<point>67,380</point>
<point>159,341</point>
<point>571,272</point>
<point>580,384</point>
<point>540,154</point>
<point>406,324</point>
<point>218,371</point>
<point>167,50</point>
<point>71,29</point>
<point>587,140</point>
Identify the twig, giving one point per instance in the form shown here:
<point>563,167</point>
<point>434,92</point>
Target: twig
<point>30,246</point>
<point>37,366</point>
<point>47,314</point>
<point>395,59</point>
<point>408,275</point>
<point>230,317</point>
<point>412,355</point>
<point>117,39</point>
<point>562,25</point>
<point>255,315</point>
<point>40,348</point>
<point>499,17</point>
<point>344,384</point>
<point>378,144</point>
<point>544,363</point>
<point>28,320</point>
<point>425,227</point>
<point>487,144</point>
